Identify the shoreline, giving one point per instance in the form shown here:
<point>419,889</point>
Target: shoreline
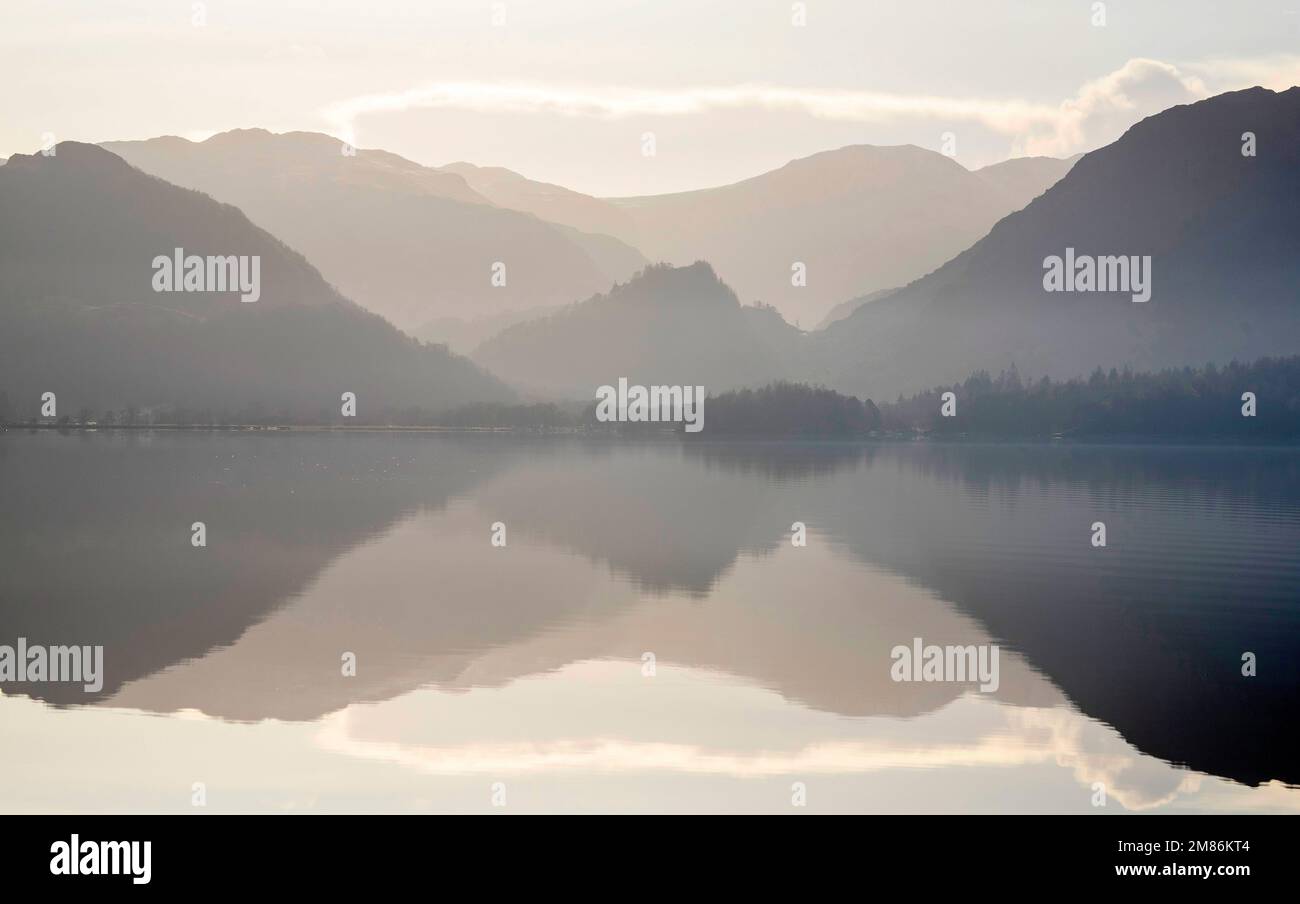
<point>876,437</point>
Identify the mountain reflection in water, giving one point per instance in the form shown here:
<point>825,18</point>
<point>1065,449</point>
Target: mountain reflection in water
<point>525,664</point>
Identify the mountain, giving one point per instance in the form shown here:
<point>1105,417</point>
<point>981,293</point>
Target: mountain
<point>406,241</point>
<point>860,219</point>
<point>79,316</point>
<point>462,335</point>
<point>506,188</point>
<point>845,308</point>
<point>1222,231</point>
<point>668,325</point>
<point>1021,179</point>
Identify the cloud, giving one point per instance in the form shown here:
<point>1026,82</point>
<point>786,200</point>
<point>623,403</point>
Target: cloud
<point>1104,108</point>
<point>1096,115</point>
<point>1008,116</point>
<point>338,733</point>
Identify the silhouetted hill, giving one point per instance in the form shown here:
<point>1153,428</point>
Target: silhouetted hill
<point>674,326</point>
<point>406,241</point>
<point>79,317</point>
<point>860,218</point>
<point>787,410</point>
<point>1222,230</point>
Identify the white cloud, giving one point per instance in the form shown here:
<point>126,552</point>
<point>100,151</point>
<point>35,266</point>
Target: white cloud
<point>1009,116</point>
<point>1105,107</point>
<point>1098,114</point>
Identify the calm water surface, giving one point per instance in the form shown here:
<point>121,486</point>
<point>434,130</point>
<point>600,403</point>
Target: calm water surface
<point>526,665</point>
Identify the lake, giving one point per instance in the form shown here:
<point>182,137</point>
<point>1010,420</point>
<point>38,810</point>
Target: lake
<point>649,637</point>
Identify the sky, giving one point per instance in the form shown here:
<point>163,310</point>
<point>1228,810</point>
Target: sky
<point>577,92</point>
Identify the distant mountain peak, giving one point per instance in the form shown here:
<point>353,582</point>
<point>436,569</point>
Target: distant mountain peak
<point>675,325</point>
<point>665,276</point>
<point>236,135</point>
<point>834,225</point>
<point>73,153</point>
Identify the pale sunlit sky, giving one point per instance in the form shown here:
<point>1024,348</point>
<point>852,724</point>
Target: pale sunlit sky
<point>564,90</point>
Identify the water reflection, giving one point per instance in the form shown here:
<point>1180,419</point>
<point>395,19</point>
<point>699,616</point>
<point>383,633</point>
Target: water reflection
<point>773,661</point>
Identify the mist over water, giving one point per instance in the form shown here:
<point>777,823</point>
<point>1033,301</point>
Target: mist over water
<point>526,664</point>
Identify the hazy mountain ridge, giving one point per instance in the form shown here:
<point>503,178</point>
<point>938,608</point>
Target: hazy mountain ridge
<point>812,210</point>
<point>78,233</point>
<point>861,218</point>
<point>1223,231</point>
<point>845,308</point>
<point>553,203</point>
<point>463,335</point>
<point>678,326</point>
<point>409,242</point>
<point>1220,228</point>
<point>1024,178</point>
